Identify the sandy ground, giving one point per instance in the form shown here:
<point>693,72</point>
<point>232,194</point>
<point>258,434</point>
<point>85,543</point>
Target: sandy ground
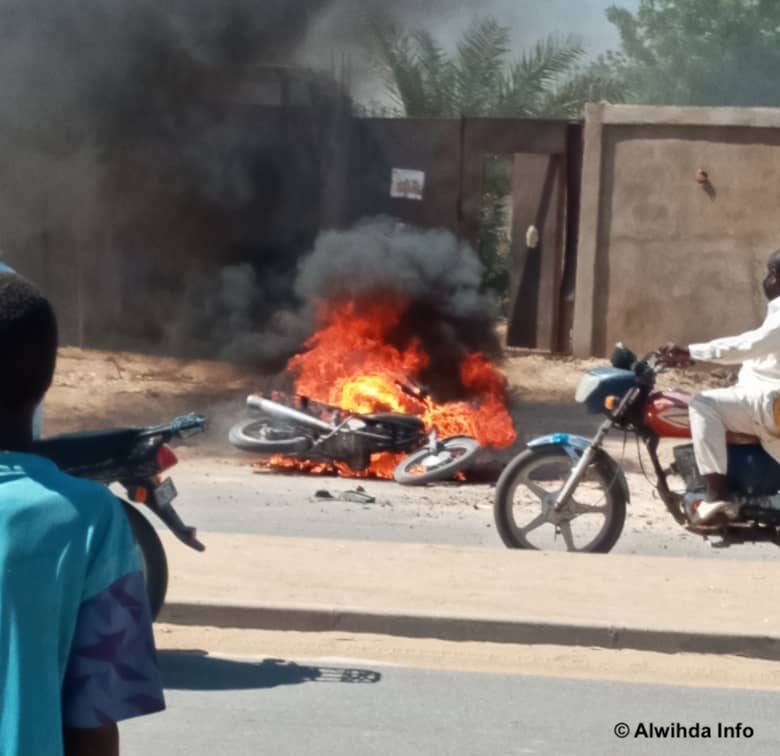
<point>96,389</point>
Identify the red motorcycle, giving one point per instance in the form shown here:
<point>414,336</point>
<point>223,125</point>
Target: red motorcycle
<point>566,492</point>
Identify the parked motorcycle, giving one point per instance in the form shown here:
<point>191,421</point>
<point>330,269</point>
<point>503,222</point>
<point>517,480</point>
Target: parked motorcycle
<point>320,432</point>
<point>134,458</point>
<point>564,491</point>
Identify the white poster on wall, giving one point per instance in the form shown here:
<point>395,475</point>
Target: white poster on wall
<point>406,184</point>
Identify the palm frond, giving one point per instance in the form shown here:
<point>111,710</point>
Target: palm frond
<point>417,72</point>
<point>437,74</point>
<point>397,63</point>
<point>479,65</point>
<point>568,99</point>
<point>527,81</point>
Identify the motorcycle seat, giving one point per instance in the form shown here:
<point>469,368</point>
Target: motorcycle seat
<point>742,439</point>
<point>78,450</point>
<point>397,418</point>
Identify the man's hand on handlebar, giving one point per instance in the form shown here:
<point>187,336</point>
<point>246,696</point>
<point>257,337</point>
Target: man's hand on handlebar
<point>671,355</point>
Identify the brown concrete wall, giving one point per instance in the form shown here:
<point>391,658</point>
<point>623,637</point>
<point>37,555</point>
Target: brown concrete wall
<point>661,256</point>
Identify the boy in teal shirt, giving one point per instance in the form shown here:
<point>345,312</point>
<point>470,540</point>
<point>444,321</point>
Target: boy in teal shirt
<point>76,647</point>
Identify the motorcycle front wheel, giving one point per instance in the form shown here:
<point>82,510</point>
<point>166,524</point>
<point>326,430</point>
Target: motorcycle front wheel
<point>151,555</point>
<point>264,437</point>
<point>524,512</point>
<point>426,466</point>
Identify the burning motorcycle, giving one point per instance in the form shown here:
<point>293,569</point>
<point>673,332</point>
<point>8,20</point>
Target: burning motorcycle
<point>320,432</point>
<point>566,491</point>
<point>134,458</point>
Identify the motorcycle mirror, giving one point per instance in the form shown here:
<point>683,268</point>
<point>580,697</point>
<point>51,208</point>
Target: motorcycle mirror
<point>622,357</point>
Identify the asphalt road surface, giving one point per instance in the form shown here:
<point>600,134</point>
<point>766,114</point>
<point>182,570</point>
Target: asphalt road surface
<point>243,707</point>
<point>230,497</point>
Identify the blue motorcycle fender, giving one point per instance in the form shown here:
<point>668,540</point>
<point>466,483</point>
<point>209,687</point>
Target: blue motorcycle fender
<point>574,446</point>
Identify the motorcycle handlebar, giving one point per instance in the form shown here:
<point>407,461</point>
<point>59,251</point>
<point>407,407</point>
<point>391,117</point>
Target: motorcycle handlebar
<point>649,367</point>
<point>182,426</point>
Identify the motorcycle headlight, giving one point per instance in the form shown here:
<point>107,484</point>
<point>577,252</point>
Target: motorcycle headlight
<point>588,384</point>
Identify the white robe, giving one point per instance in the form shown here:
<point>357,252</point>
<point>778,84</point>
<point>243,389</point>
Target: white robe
<point>759,378</point>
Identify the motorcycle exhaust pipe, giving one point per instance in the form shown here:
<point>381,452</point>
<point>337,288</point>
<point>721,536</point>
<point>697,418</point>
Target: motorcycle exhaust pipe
<point>274,409</point>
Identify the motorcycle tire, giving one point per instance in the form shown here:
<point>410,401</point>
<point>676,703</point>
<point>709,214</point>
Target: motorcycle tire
<point>602,470</point>
<point>247,435</point>
<point>411,471</point>
<point>151,554</point>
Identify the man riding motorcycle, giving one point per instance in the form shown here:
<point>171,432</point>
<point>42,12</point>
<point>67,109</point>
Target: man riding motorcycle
<point>750,407</point>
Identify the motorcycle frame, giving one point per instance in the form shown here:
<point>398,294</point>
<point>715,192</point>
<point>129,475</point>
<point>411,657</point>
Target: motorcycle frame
<point>629,417</point>
<point>381,441</point>
<point>166,512</point>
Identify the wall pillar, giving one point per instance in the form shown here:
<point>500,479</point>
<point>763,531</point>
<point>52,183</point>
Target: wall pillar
<point>587,249</point>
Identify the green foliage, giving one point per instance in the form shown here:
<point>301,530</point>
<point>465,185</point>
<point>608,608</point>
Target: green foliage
<point>495,239</point>
<point>699,52</point>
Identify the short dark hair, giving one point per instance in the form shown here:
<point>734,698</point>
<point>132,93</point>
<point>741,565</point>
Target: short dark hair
<point>28,343</point>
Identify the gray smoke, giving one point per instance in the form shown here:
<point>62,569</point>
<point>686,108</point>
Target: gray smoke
<point>382,259</point>
<point>379,259</point>
<point>136,84</point>
<point>97,82</point>
<point>385,256</point>
<point>122,153</point>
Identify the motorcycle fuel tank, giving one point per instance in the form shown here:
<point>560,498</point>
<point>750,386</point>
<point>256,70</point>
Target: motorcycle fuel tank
<point>667,414</point>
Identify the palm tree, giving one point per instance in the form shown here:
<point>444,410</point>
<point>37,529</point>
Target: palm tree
<point>552,79</point>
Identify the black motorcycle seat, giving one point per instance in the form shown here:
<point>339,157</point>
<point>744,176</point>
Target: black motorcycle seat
<point>396,417</point>
<point>73,450</point>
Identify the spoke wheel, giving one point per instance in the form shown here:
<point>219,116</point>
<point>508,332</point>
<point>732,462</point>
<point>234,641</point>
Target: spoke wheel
<point>524,506</point>
<point>426,466</point>
<point>265,437</point>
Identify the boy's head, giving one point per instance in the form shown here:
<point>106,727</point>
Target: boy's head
<point>28,344</point>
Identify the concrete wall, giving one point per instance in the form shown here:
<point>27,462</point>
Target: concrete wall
<point>661,256</point>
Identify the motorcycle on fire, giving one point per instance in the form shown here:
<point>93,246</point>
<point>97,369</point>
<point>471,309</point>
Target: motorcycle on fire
<point>566,492</point>
<point>320,432</point>
<point>135,459</point>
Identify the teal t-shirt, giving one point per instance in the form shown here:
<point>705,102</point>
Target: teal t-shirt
<point>76,646</point>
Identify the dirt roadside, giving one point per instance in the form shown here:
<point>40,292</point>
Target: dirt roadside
<point>99,389</point>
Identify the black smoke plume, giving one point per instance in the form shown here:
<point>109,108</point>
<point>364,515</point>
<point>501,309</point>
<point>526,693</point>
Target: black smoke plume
<point>438,277</point>
<point>144,183</point>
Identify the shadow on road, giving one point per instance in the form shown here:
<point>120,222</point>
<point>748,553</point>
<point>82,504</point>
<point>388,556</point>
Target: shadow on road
<point>196,670</point>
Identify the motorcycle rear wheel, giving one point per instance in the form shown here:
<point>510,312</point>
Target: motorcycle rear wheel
<point>260,435</point>
<point>525,493</point>
<point>424,466</point>
<point>151,554</point>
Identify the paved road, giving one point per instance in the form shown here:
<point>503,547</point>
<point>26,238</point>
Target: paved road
<point>335,707</point>
<point>231,498</point>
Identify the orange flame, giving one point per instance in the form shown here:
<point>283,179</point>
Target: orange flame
<point>351,363</point>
